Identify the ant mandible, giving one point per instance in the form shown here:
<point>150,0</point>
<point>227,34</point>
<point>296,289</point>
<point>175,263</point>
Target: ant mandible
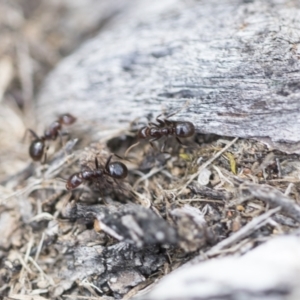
<point>165,127</point>
<point>37,146</point>
<point>115,170</point>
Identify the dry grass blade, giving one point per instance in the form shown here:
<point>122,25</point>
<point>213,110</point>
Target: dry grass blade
<point>6,71</point>
<point>25,297</point>
<point>243,232</point>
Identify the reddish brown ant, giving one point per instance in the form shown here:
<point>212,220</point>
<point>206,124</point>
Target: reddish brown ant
<point>164,127</point>
<point>37,146</point>
<point>115,170</point>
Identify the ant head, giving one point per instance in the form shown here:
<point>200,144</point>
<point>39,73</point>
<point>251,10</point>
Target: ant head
<point>117,170</point>
<point>66,119</point>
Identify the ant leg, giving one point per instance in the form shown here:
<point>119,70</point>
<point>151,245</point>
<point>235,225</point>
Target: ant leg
<point>110,182</point>
<point>179,141</point>
<point>118,156</point>
<point>96,163</point>
<point>75,195</point>
<point>107,163</point>
<point>60,134</point>
<point>131,147</point>
<point>169,123</point>
<point>121,187</point>
<point>32,133</point>
<point>154,124</point>
<point>45,155</point>
<point>151,142</point>
<point>160,121</point>
<point>61,138</point>
<point>173,114</point>
<point>116,182</point>
<point>25,134</point>
<point>162,150</point>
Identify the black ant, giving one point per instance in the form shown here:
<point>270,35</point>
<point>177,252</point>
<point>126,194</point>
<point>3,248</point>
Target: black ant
<point>115,170</point>
<point>165,127</point>
<point>37,146</point>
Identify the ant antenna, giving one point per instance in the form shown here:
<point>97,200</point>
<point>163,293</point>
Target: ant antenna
<point>131,147</point>
<point>120,157</point>
<point>179,110</point>
<point>96,163</point>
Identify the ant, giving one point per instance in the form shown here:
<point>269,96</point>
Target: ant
<point>37,146</point>
<point>115,170</point>
<point>165,127</point>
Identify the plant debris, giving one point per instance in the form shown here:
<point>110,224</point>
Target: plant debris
<point>106,241</point>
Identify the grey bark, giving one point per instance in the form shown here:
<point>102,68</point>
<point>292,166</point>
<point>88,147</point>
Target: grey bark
<point>269,272</point>
<point>137,254</point>
<point>236,62</point>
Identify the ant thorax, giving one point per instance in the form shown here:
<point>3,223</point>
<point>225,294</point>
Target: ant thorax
<point>91,174</point>
<point>154,132</point>
<point>51,133</point>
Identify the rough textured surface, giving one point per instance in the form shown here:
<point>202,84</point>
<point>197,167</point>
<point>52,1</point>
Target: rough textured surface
<point>237,62</point>
<point>128,222</point>
<point>118,267</point>
<point>270,271</point>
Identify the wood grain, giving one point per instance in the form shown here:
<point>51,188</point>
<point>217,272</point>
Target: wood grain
<point>236,62</point>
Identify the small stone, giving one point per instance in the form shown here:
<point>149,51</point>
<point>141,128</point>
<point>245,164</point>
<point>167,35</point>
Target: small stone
<point>204,177</point>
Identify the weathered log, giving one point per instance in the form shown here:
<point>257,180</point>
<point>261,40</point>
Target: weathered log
<point>236,62</point>
<point>267,272</point>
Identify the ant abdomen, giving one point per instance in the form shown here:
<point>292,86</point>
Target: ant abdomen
<point>36,149</point>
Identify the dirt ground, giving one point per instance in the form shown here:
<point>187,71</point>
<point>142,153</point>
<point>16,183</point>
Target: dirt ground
<point>57,244</point>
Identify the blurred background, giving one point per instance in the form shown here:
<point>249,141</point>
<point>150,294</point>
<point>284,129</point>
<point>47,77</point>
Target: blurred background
<point>35,35</point>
